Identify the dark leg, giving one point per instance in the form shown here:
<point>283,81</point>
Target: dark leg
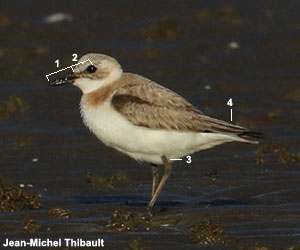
<point>155,178</point>
<point>168,168</point>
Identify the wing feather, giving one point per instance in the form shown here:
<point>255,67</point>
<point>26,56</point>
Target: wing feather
<point>147,104</point>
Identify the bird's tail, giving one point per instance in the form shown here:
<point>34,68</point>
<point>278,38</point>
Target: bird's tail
<point>251,136</point>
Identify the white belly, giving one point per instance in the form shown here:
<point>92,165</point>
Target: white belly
<point>141,143</point>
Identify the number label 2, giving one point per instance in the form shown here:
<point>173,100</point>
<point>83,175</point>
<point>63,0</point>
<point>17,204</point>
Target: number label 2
<point>74,57</point>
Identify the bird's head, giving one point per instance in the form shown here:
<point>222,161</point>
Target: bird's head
<point>92,72</point>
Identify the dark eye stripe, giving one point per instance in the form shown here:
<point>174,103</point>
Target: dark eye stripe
<point>91,69</point>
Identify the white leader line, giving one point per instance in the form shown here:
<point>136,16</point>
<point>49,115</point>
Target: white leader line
<point>88,60</point>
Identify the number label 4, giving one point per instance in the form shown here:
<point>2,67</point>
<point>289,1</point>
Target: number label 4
<point>230,103</point>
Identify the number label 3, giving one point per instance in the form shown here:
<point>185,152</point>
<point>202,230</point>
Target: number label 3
<point>188,159</point>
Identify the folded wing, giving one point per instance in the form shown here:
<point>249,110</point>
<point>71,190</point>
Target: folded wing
<point>147,104</point>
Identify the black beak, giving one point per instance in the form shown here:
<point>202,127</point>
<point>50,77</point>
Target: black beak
<point>63,80</point>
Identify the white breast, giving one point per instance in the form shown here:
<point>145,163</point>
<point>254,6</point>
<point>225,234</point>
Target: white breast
<point>141,143</point>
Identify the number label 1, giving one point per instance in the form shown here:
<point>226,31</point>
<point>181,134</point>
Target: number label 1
<point>57,63</point>
<point>74,57</point>
<point>230,103</point>
<point>188,159</point>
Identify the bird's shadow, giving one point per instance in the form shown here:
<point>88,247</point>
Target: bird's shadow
<point>141,201</point>
<point>124,200</point>
<point>226,202</point>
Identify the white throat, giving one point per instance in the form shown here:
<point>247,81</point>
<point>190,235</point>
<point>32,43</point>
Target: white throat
<point>89,85</point>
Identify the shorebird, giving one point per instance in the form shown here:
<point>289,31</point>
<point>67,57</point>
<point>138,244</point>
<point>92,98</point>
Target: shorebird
<point>143,119</point>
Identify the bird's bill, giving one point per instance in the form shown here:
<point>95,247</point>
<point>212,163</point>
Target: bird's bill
<point>63,80</point>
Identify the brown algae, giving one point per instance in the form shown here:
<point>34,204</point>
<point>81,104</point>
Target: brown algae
<point>12,106</point>
<point>137,244</point>
<point>126,221</point>
<point>30,226</point>
<point>60,213</point>
<point>120,179</point>
<point>208,233</point>
<point>163,29</point>
<point>14,199</point>
<point>283,155</point>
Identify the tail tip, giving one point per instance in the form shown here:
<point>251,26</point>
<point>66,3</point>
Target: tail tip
<point>249,135</point>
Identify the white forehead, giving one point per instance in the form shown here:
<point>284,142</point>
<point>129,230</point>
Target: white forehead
<point>99,60</point>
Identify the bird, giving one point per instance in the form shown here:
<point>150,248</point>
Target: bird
<point>144,120</point>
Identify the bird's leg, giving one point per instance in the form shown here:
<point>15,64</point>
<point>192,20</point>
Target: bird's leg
<point>155,174</point>
<point>168,168</point>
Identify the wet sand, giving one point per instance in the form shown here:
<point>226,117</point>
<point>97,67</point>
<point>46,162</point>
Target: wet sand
<point>60,181</point>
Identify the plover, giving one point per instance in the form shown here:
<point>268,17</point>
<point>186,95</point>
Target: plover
<point>143,119</point>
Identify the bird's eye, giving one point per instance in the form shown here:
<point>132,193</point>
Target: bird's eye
<point>91,69</point>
